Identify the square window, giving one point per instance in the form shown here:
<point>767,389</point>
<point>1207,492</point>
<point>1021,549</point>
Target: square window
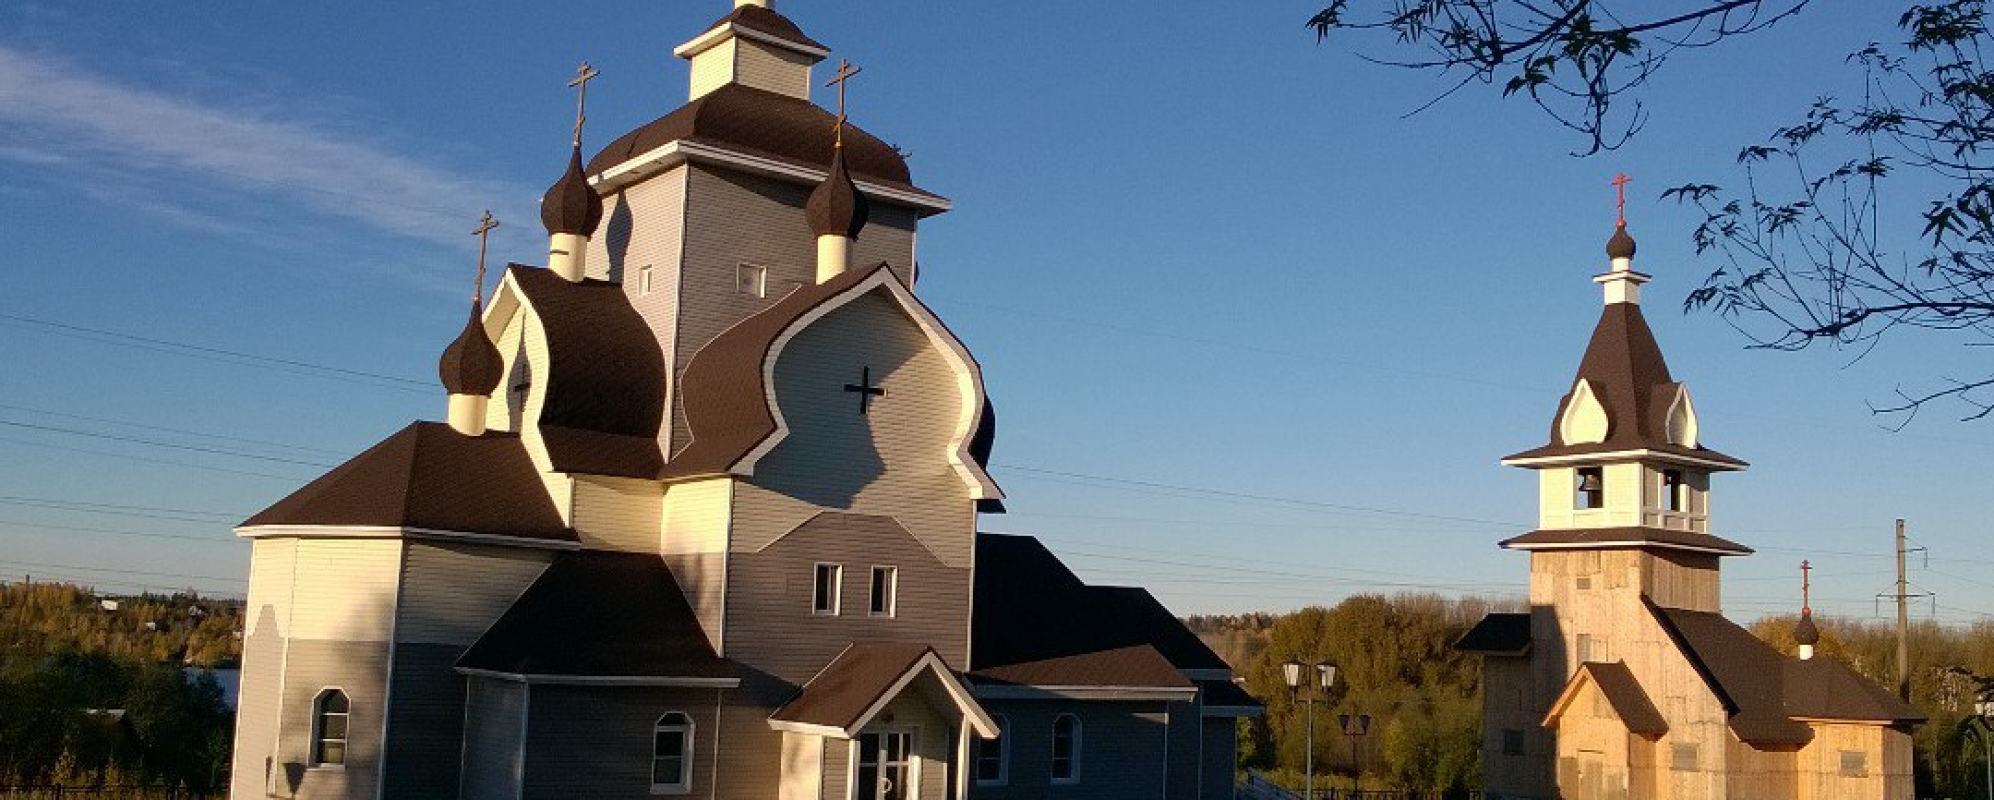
<point>885,591</point>
<point>824,598</point>
<point>1512,742</point>
<point>1683,757</point>
<point>1583,582</point>
<point>1855,763</point>
<point>644,275</point>
<point>750,279</point>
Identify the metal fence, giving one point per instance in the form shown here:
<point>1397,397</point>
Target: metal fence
<point>101,793</point>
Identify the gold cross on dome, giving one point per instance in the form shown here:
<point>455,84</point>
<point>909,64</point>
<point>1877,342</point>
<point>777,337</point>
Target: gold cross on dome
<point>846,71</point>
<point>581,83</point>
<point>1620,182</point>
<point>483,232</point>
<point>1804,584</point>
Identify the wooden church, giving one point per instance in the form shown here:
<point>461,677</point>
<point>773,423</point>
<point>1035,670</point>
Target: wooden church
<point>703,520</point>
<point>1625,681</point>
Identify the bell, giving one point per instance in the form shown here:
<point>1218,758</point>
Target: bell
<point>1589,482</point>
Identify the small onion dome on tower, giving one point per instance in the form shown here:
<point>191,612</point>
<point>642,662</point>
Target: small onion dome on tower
<point>571,210</point>
<point>1621,245</point>
<point>1804,633</point>
<point>837,211</point>
<point>471,365</point>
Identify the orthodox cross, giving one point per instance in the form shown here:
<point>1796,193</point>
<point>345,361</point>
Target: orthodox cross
<point>865,389</point>
<point>483,232</point>
<point>846,71</point>
<point>1804,587</point>
<point>581,83</point>
<point>1620,182</point>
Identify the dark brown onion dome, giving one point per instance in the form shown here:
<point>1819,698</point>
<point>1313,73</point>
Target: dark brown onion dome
<point>836,207</point>
<point>1621,245</point>
<point>471,364</point>
<point>571,204</point>
<point>1805,632</point>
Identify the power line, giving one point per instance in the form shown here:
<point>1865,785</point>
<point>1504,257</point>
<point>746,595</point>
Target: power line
<point>169,445</point>
<point>290,365</point>
<point>32,526</point>
<point>143,459</point>
<point>152,512</point>
<point>163,429</point>
<point>1138,485</point>
<point>109,571</point>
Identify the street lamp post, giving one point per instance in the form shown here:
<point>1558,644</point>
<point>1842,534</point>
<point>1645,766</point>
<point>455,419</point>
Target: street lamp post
<point>1353,727</point>
<point>1325,674</point>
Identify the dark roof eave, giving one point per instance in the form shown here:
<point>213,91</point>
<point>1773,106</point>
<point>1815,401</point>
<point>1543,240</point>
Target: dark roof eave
<point>1643,538</point>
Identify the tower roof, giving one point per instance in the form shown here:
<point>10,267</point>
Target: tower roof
<point>571,205</point>
<point>1624,370</point>
<point>471,364</point>
<point>765,20</point>
<point>836,208</point>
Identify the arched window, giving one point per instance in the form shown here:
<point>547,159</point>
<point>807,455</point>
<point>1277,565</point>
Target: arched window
<point>993,756</point>
<point>329,717</point>
<point>1066,749</point>
<point>671,754</point>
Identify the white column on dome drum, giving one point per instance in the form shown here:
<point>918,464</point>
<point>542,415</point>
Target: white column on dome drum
<point>467,413</point>
<point>834,256</point>
<point>567,255</point>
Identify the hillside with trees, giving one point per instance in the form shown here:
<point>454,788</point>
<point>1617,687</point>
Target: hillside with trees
<point>101,689</point>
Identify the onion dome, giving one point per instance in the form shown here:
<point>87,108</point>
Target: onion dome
<point>836,208</point>
<point>571,205</point>
<point>1805,632</point>
<point>471,364</point>
<point>1621,245</point>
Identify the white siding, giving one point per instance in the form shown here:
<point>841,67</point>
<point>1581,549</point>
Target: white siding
<point>618,513</point>
<point>452,593</point>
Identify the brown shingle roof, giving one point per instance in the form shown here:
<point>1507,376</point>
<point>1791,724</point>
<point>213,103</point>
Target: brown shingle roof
<point>1029,608</point>
<point>430,477</point>
<point>1631,380</point>
<point>1136,666</point>
<point>1744,672</point>
<point>767,124</point>
<point>858,682</point>
<point>1626,537</point>
<point>600,614</point>
<point>1622,692</point>
<point>762,19</point>
<point>1499,633</point>
<point>1823,688</point>
<point>606,384</point>
<point>721,387</point>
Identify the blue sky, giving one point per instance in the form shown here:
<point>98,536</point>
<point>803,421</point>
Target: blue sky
<point>1197,254</point>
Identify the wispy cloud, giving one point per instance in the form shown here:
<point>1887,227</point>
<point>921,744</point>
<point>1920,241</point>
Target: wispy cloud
<point>52,113</point>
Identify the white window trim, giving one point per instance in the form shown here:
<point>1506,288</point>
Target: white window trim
<point>837,589</point>
<point>914,762</point>
<point>644,280</point>
<point>892,591</point>
<point>314,751</point>
<point>1077,739</point>
<point>684,786</point>
<point>1003,756</point>
<point>761,278</point>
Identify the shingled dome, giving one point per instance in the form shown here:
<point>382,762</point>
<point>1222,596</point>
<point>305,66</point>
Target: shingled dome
<point>836,208</point>
<point>1621,245</point>
<point>571,205</point>
<point>471,364</point>
<point>765,20</point>
<point>1805,632</point>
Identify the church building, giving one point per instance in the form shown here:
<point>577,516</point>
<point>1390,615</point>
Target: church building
<point>703,519</point>
<point>1624,681</point>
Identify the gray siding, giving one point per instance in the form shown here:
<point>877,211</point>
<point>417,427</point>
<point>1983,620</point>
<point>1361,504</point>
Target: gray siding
<point>357,668</point>
<point>1221,758</point>
<point>1121,750</point>
<point>494,719</point>
<point>425,723</point>
<point>595,742</point>
<point>772,629</point>
<point>1187,746</point>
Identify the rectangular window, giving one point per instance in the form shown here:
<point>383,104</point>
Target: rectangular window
<point>885,588</point>
<point>993,756</point>
<point>750,279</point>
<point>1855,764</point>
<point>644,279</point>
<point>1682,757</point>
<point>329,719</point>
<point>1590,488</point>
<point>1512,742</point>
<point>825,600</point>
<point>671,754</point>
<point>1675,494</point>
<point>1583,582</point>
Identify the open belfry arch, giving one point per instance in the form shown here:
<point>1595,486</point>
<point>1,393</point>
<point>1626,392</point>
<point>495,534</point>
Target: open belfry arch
<point>702,516</point>
<point>1624,679</point>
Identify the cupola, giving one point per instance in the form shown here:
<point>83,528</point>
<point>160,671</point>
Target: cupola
<point>1804,633</point>
<point>470,369</point>
<point>571,210</point>
<point>755,47</point>
<point>837,211</point>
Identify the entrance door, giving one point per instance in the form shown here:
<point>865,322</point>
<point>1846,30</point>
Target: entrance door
<point>885,767</point>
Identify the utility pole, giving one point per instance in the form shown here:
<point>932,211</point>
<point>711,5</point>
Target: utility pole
<point>1903,622</point>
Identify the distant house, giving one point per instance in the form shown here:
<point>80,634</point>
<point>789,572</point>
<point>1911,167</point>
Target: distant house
<point>108,605</point>
<point>703,520</point>
<point>1625,680</point>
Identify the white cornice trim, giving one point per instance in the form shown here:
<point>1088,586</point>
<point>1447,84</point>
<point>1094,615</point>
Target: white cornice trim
<point>390,532</point>
<point>1638,454</point>
<point>1106,693</point>
<point>710,39</point>
<point>604,680</point>
<point>672,154</point>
